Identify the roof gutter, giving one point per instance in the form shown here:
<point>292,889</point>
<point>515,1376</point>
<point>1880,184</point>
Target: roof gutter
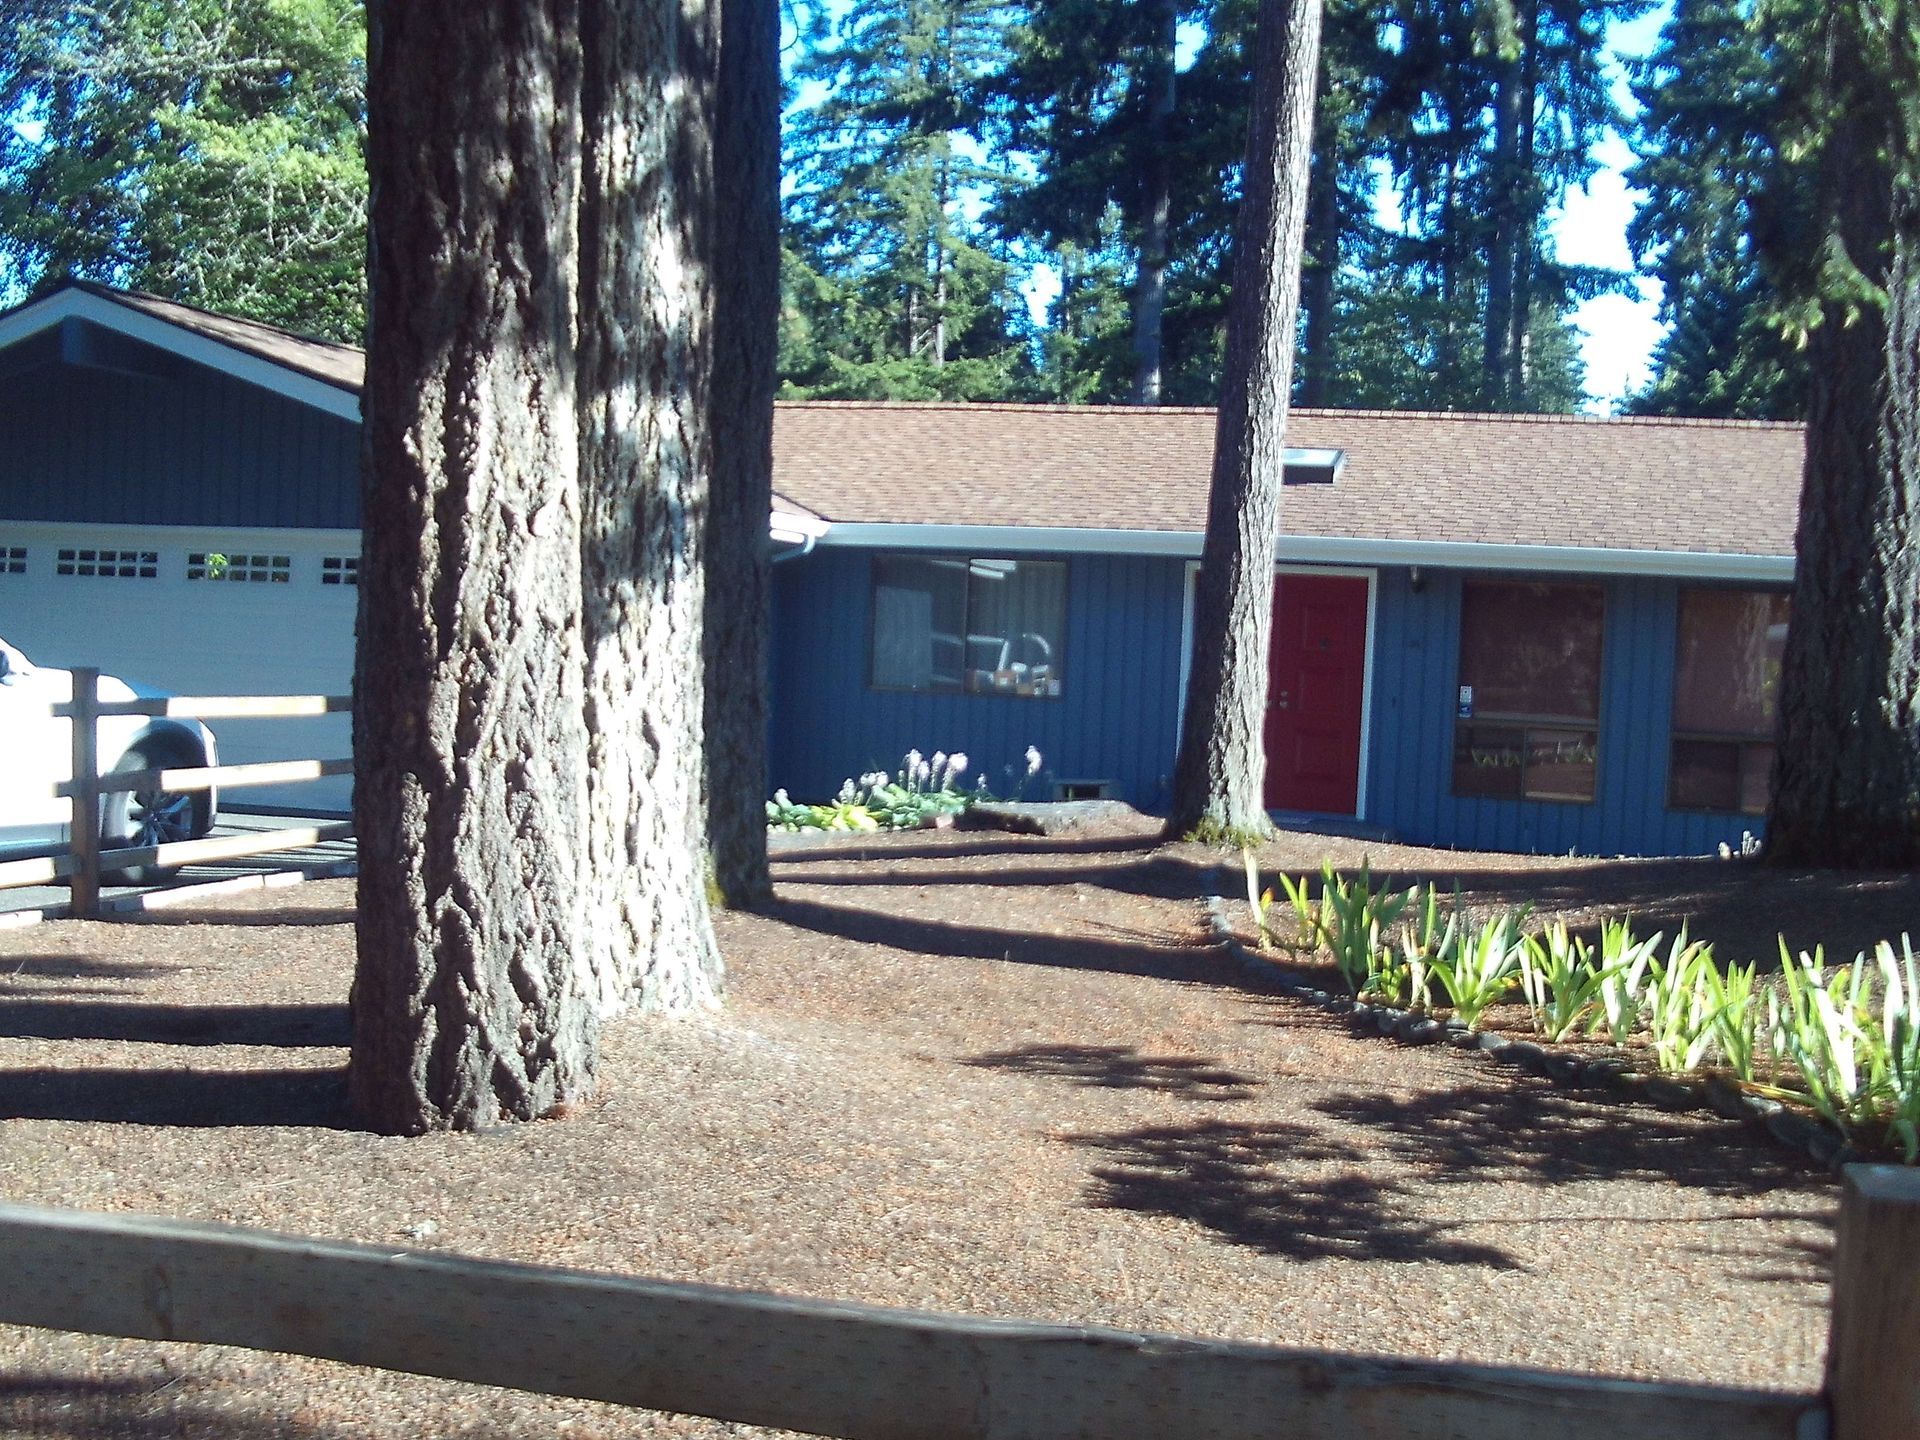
<point>1321,549</point>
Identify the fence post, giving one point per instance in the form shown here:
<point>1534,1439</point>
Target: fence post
<point>1873,1347</point>
<point>83,834</point>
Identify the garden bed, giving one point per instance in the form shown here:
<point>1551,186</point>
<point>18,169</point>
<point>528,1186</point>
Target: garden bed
<point>960,1071</point>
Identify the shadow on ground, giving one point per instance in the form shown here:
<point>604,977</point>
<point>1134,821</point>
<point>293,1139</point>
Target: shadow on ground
<point>1740,905</point>
<point>190,1098</point>
<point>1113,949</point>
<point>278,915</point>
<point>61,966</point>
<point>1240,1181</point>
<point>1122,1067</point>
<point>143,1409</point>
<point>1301,1191</point>
<point>72,1019</point>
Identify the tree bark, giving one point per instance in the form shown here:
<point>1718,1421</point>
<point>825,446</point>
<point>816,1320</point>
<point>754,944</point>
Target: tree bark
<point>468,740</point>
<point>1218,778</point>
<point>746,286</point>
<point>645,456</point>
<point>1322,265</point>
<point>1846,779</point>
<point>1156,210</point>
<point>1508,178</point>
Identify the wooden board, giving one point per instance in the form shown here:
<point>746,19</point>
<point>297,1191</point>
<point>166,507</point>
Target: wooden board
<point>831,1369</point>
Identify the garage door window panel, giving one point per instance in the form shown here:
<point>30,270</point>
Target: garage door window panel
<point>1529,726</point>
<point>243,567</point>
<point>106,564</point>
<point>974,625</point>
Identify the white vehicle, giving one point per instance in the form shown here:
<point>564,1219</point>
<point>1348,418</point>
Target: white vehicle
<point>36,755</point>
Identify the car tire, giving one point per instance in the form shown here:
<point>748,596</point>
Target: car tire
<point>152,817</point>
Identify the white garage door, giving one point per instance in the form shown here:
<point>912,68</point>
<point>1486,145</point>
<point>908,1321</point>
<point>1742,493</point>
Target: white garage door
<point>199,612</point>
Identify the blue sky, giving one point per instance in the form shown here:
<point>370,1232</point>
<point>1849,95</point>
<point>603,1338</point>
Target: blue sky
<point>1619,331</point>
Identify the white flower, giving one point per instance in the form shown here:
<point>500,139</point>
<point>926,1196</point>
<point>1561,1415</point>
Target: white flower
<point>780,799</point>
<point>921,770</point>
<point>956,763</point>
<point>913,761</point>
<point>1033,760</point>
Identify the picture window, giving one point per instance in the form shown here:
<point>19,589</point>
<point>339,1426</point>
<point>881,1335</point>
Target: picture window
<point>971,625</point>
<point>1528,723</point>
<point>1726,686</point>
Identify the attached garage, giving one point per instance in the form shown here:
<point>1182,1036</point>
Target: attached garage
<point>179,508</point>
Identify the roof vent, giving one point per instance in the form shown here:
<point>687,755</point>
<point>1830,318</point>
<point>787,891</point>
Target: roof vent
<point>1313,467</point>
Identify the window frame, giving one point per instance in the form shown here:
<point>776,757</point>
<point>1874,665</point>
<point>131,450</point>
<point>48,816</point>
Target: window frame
<point>1532,723</point>
<point>1741,741</point>
<point>967,561</point>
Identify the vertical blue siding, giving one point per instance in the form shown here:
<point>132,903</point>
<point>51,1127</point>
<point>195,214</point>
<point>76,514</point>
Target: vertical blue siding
<point>196,448</point>
<point>1416,675</point>
<point>1115,719</point>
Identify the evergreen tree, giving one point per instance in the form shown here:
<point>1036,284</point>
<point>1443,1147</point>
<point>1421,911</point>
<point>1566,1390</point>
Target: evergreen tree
<point>207,150</point>
<point>891,291</point>
<point>1709,97</point>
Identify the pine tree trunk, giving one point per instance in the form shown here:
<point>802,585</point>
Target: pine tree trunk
<point>1156,213</point>
<point>1846,780</point>
<point>1497,333</point>
<point>1322,267</point>
<point>1527,221</point>
<point>470,799</point>
<point>1219,776</point>
<point>645,458</point>
<point>746,290</point>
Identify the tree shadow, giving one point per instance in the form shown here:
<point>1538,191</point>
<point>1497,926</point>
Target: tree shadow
<point>38,1403</point>
<point>1166,877</point>
<point>59,966</point>
<point>1804,1264</point>
<point>1533,1134</point>
<point>1233,1180</point>
<point>194,1099</point>
<point>39,1018</point>
<point>1122,1067</point>
<point>290,916</point>
<point>1116,951</point>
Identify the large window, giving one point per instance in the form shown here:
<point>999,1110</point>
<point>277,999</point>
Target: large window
<point>989,627</point>
<point>1726,681</point>
<point>1528,718</point>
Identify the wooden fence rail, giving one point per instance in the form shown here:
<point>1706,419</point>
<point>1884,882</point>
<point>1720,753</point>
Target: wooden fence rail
<point>855,1371</point>
<point>84,861</point>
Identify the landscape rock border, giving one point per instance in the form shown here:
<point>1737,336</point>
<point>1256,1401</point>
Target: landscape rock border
<point>1813,1138</point>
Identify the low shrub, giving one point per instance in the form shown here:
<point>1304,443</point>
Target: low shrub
<point>1844,1041</point>
<point>921,791</point>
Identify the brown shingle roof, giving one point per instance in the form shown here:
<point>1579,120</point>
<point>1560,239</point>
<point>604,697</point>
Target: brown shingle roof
<point>1706,486</point>
<point>1729,487</point>
<point>328,361</point>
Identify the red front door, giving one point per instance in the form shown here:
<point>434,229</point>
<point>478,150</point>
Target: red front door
<point>1318,676</point>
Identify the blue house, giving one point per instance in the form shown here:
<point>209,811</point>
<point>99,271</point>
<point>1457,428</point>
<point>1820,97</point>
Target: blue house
<point>1530,633</point>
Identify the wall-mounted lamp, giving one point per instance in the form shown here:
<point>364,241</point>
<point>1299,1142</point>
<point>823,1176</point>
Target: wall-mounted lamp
<point>1416,582</point>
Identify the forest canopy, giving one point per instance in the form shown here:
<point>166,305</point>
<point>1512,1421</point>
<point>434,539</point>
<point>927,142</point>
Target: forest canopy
<point>1011,199</point>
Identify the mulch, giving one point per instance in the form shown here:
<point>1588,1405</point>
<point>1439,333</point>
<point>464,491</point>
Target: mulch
<point>962,1072</point>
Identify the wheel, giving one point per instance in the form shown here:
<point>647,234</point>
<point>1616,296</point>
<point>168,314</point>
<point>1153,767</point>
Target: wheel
<point>152,816</point>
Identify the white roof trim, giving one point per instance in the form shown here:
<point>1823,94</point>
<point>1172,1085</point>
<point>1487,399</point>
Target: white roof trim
<point>1325,550</point>
<point>188,344</point>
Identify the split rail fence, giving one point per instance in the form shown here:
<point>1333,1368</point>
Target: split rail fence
<point>84,861</point>
<point>868,1373</point>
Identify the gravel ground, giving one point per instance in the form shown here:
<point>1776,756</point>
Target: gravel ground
<point>966,1073</point>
